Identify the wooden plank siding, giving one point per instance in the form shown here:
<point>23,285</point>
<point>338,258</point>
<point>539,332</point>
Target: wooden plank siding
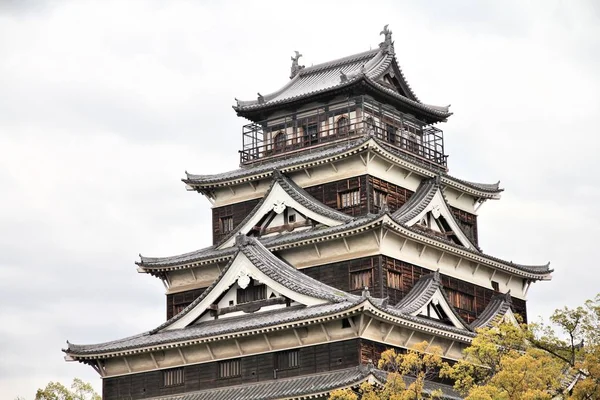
<point>237,212</point>
<point>312,359</point>
<point>178,301</point>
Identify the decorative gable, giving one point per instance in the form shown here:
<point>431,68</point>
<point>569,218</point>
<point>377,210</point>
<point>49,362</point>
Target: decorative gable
<point>285,207</point>
<point>428,210</point>
<point>255,280</point>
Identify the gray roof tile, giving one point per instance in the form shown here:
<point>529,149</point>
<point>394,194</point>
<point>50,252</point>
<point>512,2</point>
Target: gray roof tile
<point>497,307</point>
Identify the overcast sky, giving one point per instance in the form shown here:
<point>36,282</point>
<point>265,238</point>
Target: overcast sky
<point>105,104</point>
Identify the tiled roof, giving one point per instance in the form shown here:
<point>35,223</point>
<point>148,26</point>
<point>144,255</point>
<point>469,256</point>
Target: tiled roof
<point>303,387</point>
<point>497,308</point>
<point>418,201</point>
<point>358,223</point>
<point>207,329</point>
<point>338,150</point>
<point>296,193</point>
<point>368,66</point>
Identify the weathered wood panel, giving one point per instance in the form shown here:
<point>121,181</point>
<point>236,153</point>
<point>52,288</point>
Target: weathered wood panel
<point>178,301</point>
<point>237,212</point>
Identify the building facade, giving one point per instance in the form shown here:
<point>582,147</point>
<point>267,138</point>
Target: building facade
<point>341,234</point>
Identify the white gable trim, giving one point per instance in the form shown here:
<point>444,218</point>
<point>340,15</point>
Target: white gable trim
<point>241,266</point>
<point>277,200</point>
<point>439,300</point>
<point>438,207</point>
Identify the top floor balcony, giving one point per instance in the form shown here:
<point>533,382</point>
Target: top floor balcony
<point>311,129</point>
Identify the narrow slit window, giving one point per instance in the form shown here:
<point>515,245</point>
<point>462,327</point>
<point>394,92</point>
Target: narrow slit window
<point>226,224</point>
<point>230,368</point>
<point>288,359</point>
<point>379,198</point>
<point>173,377</point>
<point>251,293</point>
<point>394,279</point>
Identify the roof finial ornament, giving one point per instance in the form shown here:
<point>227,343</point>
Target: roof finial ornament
<point>295,66</point>
<point>261,98</point>
<point>343,77</point>
<point>387,43</point>
<point>365,292</point>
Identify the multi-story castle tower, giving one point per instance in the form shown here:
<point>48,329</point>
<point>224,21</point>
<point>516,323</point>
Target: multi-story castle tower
<point>340,235</point>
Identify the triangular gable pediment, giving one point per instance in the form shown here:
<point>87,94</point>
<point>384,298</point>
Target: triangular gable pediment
<point>285,207</point>
<point>259,275</point>
<point>438,308</point>
<point>430,211</point>
<point>393,77</point>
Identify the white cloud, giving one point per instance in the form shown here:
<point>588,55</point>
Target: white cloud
<point>104,104</point>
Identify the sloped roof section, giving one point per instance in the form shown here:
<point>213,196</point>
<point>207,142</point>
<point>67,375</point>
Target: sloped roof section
<point>334,152</point>
<point>299,199</point>
<point>368,67</point>
<point>429,197</point>
<point>497,308</point>
<point>424,292</point>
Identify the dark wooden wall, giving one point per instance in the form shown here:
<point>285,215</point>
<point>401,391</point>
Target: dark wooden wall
<point>238,211</point>
<point>178,301</point>
<point>338,276</point>
<point>329,194</point>
<point>313,359</point>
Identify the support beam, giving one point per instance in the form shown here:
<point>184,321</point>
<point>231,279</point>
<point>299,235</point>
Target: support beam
<point>334,167</point>
<point>297,337</point>
<point>317,250</point>
<point>325,332</point>
<point>403,244</point>
<point>449,348</point>
<point>210,353</point>
<point>441,257</point>
<point>127,364</point>
<point>307,172</point>
<point>458,263</point>
<point>509,279</point>
<point>460,195</point>
<point>183,360</point>
<point>100,369</point>
<point>253,185</point>
<point>164,282</point>
<point>376,236</point>
<point>366,326</point>
<point>193,274</point>
<point>422,251</point>
<point>370,157</point>
<point>232,190</point>
<point>408,340</point>
<point>493,274</point>
<point>388,333</point>
<point>153,359</point>
<point>430,342</point>
<point>346,244</point>
<point>363,160</point>
<point>237,344</point>
<point>527,286</point>
<point>408,174</point>
<point>476,269</point>
<point>390,168</point>
<point>267,342</point>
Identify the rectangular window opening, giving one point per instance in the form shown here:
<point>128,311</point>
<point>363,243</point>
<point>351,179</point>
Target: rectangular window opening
<point>495,286</point>
<point>379,198</point>
<point>226,224</point>
<point>288,359</point>
<point>361,279</point>
<point>394,279</point>
<point>173,377</point>
<point>230,368</point>
<point>251,293</point>
<point>349,199</point>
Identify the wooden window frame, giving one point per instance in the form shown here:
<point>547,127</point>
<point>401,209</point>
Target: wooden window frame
<point>394,276</point>
<point>286,360</point>
<point>173,377</point>
<point>227,369</point>
<point>352,199</point>
<point>226,224</point>
<point>378,195</point>
<point>251,293</point>
<point>362,273</point>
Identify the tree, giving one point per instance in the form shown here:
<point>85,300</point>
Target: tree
<point>422,362</point>
<point>80,390</point>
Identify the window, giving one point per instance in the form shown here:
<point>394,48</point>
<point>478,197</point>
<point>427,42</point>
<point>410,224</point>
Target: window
<point>394,279</point>
<point>349,199</point>
<point>279,142</point>
<point>342,126</point>
<point>379,198</point>
<point>291,218</point>
<point>311,134</point>
<point>173,377</point>
<point>495,286</point>
<point>226,224</point>
<point>461,300</point>
<point>287,359</point>
<point>251,293</point>
<point>230,368</point>
<point>360,279</point>
<point>346,323</point>
<point>390,133</point>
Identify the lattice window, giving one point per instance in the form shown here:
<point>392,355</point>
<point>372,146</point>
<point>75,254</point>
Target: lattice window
<point>251,293</point>
<point>349,199</point>
<point>361,279</point>
<point>379,198</point>
<point>495,286</point>
<point>173,377</point>
<point>288,359</point>
<point>394,279</point>
<point>226,224</point>
<point>461,300</point>
<point>279,142</point>
<point>230,368</point>
<point>342,126</point>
